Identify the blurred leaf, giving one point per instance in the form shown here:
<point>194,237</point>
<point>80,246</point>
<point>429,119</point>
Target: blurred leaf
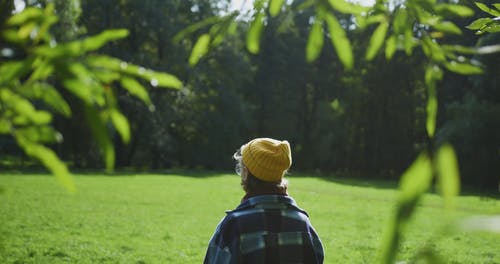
<point>70,49</point>
<point>159,79</point>
<point>49,159</point>
<point>14,70</point>
<point>376,40</point>
<point>347,7</point>
<point>43,70</point>
<point>27,14</point>
<point>5,126</point>
<point>192,28</point>
<point>463,68</point>
<point>433,50</point>
<point>39,134</point>
<point>100,133</point>
<point>254,34</point>
<point>390,47</point>
<point>497,6</point>
<point>459,10</point>
<point>24,108</point>
<point>96,42</point>
<point>315,41</point>
<point>103,61</point>
<point>488,10</point>
<point>416,180</point>
<point>79,89</point>
<point>106,76</point>
<point>448,174</point>
<point>199,49</point>
<point>340,41</point>
<point>409,43</point>
<point>447,27</point>
<point>26,30</point>
<point>47,93</point>
<point>400,23</point>
<point>121,124</point>
<point>432,74</point>
<point>136,89</point>
<point>275,7</point>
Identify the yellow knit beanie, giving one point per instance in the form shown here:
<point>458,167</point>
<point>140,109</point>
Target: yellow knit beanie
<point>266,158</point>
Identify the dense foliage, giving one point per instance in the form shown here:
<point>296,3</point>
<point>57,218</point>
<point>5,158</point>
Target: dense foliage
<point>349,110</point>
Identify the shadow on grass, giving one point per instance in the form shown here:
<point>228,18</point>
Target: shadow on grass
<point>343,179</point>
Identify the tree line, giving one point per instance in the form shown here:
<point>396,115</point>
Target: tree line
<point>368,119</point>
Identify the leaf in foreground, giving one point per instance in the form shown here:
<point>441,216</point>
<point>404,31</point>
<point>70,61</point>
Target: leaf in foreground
<point>340,41</point>
<point>376,40</point>
<point>448,174</point>
<point>254,34</point>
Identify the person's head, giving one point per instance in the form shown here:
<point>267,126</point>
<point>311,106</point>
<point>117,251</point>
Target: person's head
<point>262,164</point>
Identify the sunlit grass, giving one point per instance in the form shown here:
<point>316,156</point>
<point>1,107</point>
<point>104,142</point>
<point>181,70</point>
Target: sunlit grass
<point>170,218</point>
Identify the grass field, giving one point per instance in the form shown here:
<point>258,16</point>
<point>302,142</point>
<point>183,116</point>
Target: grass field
<point>170,218</point>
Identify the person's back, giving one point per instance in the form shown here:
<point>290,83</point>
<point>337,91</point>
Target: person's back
<point>268,226</point>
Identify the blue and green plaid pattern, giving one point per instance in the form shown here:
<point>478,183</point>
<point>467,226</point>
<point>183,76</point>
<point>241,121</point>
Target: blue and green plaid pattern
<point>265,229</point>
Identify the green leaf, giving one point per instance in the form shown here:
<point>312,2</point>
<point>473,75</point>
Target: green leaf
<point>488,10</point>
<point>416,180</point>
<point>376,40</point>
<point>254,34</point>
<point>100,132</point>
<point>275,7</point>
<point>340,41</point>
<point>42,71</point>
<point>347,7</point>
<point>463,68</point>
<point>409,42</point>
<point>194,27</point>
<point>27,14</point>
<point>199,49</point>
<point>400,23</point>
<point>315,41</point>
<point>432,74</point>
<point>136,89</point>
<point>97,41</point>
<point>121,124</point>
<point>79,89</point>
<point>497,6</point>
<point>24,110</point>
<point>49,95</point>
<point>448,174</point>
<point>431,110</point>
<point>39,134</point>
<point>390,47</point>
<point>103,61</point>
<point>162,79</point>
<point>433,50</point>
<point>459,10</point>
<point>447,27</point>
<point>49,159</point>
<point>5,126</point>
<point>12,70</point>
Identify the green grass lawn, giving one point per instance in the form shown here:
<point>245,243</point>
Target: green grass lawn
<point>170,218</point>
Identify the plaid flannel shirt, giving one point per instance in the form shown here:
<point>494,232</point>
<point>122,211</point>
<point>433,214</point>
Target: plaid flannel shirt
<point>265,229</point>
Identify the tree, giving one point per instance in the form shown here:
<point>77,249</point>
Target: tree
<point>36,62</point>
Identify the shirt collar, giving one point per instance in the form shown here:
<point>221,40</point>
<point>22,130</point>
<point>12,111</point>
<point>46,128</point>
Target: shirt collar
<point>267,199</point>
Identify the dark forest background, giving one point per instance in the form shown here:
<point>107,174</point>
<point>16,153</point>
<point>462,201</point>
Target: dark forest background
<point>365,122</point>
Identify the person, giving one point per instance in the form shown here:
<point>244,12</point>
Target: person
<point>267,226</point>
